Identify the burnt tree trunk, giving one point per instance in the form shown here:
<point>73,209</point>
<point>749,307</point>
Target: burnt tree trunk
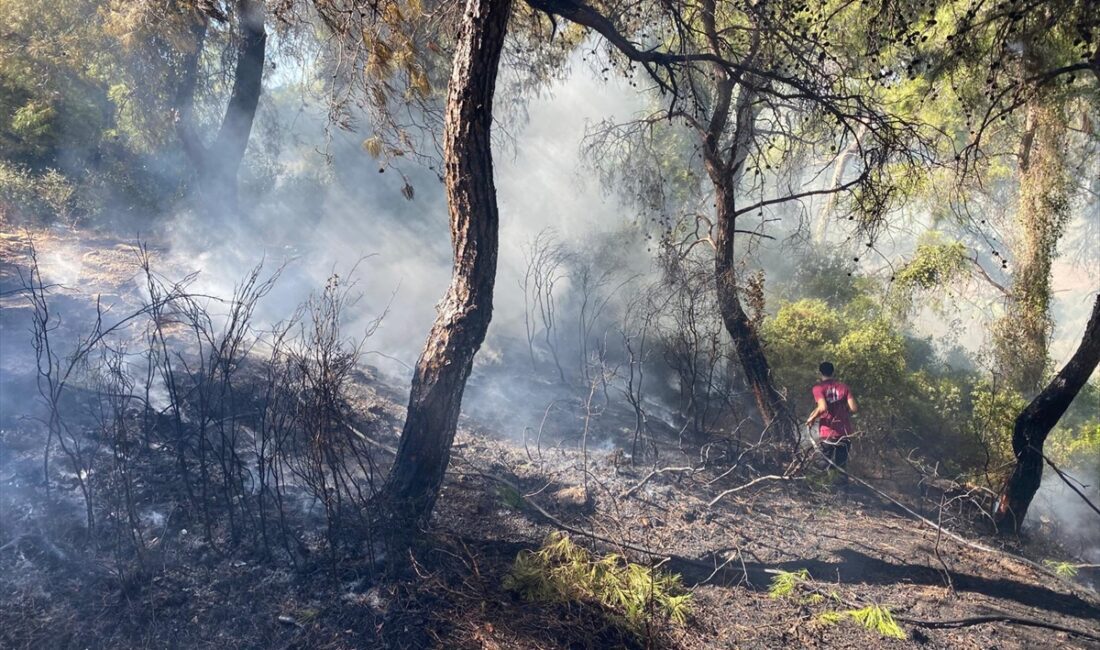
<point>463,317</point>
<point>217,166</point>
<point>750,351</point>
<point>228,149</point>
<point>725,166</point>
<point>1035,422</point>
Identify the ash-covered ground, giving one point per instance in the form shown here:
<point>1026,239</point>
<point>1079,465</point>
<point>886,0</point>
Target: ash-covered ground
<point>160,572</point>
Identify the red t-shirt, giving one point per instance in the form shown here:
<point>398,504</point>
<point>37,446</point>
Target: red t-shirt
<point>837,421</point>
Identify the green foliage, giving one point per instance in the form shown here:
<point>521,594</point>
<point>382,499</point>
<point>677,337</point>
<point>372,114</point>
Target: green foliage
<point>34,122</point>
<point>878,619</point>
<point>867,350</point>
<point>1063,569</point>
<point>562,571</point>
<point>909,398</point>
<point>90,99</point>
<point>41,196</point>
<point>936,264</point>
<point>785,582</point>
<point>873,617</point>
<point>49,104</point>
<point>52,55</point>
<point>993,415</point>
<point>827,277</point>
<point>872,354</point>
<point>829,618</point>
<point>811,323</point>
<point>1075,448</point>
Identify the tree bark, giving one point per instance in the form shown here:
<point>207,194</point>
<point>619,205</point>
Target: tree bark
<point>463,317</point>
<point>1035,422</point>
<point>725,172</point>
<point>750,352</point>
<point>185,92</point>
<point>1022,337</point>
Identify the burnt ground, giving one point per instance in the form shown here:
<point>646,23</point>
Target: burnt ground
<point>448,590</point>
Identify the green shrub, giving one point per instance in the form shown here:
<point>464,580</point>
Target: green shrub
<point>868,351</point>
<point>35,197</point>
<point>35,122</point>
<point>993,415</point>
<point>909,398</point>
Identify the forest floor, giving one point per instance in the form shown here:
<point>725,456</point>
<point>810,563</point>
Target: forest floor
<point>505,495</point>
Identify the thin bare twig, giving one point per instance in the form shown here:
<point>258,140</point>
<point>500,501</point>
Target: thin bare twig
<point>650,475</point>
<point>761,479</point>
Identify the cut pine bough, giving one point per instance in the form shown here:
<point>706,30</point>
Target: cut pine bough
<point>874,617</point>
<point>881,619</point>
<point>563,571</point>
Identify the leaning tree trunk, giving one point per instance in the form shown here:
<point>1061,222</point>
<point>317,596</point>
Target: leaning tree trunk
<point>1036,421</point>
<point>186,84</point>
<point>1022,337</point>
<point>440,377</point>
<point>750,351</point>
<point>725,172</point>
<point>218,165</point>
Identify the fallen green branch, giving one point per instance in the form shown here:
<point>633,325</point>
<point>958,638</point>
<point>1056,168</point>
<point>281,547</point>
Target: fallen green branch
<point>802,579</point>
<point>873,617</point>
<point>562,571</point>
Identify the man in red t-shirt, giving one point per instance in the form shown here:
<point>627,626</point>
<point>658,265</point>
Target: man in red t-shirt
<point>835,406</point>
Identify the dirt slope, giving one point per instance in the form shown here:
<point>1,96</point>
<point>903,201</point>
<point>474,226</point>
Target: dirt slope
<point>503,496</point>
<point>449,591</point>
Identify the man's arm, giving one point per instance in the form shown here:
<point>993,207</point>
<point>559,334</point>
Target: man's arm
<point>852,406</point>
<point>821,409</point>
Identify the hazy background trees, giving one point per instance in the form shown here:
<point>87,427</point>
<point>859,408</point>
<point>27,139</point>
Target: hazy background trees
<point>703,118</point>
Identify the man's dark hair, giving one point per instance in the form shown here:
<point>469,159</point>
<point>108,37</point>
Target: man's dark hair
<point>826,369</point>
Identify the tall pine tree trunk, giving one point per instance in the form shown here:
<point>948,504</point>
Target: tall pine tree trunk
<point>225,155</point>
<point>1022,336</point>
<point>1036,421</point>
<point>217,166</point>
<point>725,172</point>
<point>463,318</point>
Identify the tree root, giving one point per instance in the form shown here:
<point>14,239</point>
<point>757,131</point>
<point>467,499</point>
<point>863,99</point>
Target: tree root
<point>994,618</point>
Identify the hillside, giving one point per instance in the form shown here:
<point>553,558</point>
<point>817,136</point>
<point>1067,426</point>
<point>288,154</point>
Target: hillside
<point>450,591</point>
<point>693,509</point>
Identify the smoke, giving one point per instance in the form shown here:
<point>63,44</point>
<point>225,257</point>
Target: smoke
<point>1059,513</point>
<point>322,206</point>
<point>330,209</point>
